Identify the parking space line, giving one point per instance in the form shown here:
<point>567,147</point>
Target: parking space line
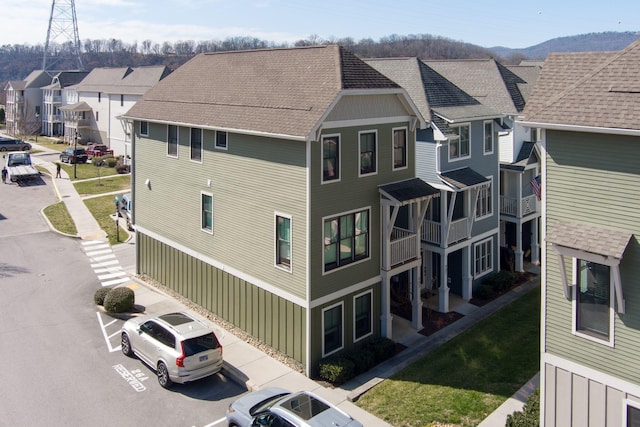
<point>215,423</point>
<point>106,337</point>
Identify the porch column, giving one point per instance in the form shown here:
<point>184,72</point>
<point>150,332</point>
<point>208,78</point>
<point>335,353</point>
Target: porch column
<point>386,318</point>
<point>535,249</point>
<point>443,295</point>
<point>416,314</point>
<point>519,253</point>
<point>467,277</point>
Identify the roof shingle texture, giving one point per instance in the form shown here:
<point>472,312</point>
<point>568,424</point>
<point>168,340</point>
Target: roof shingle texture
<point>588,238</point>
<point>592,89</point>
<point>274,91</point>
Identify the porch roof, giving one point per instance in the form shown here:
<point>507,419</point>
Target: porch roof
<point>80,106</point>
<point>463,178</point>
<point>408,191</point>
<point>588,238</point>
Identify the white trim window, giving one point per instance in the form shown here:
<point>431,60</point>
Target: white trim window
<point>346,239</point>
<point>144,128</point>
<point>483,257</point>
<point>332,329</point>
<point>362,315</point>
<point>172,141</point>
<point>488,137</point>
<point>331,158</point>
<point>368,159</point>
<point>631,413</point>
<point>196,145</point>
<point>484,204</point>
<point>460,145</point>
<point>592,301</point>
<point>221,140</point>
<point>399,148</point>
<point>206,210</point>
<point>283,242</point>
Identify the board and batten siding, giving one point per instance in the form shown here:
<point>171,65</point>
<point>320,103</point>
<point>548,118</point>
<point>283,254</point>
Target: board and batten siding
<point>251,181</point>
<point>273,320</point>
<point>351,193</point>
<point>594,179</point>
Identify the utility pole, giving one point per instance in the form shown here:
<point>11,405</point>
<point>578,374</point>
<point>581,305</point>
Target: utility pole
<point>63,41</point>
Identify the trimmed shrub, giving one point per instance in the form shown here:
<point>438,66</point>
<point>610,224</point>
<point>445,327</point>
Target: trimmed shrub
<point>382,348</point>
<point>119,300</point>
<point>121,169</point>
<point>336,370</point>
<point>483,291</point>
<point>98,297</point>
<point>363,359</point>
<point>500,281</point>
<point>111,162</point>
<point>530,414</point>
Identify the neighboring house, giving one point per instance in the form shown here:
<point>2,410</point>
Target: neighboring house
<point>588,107</point>
<point>286,183</point>
<point>458,155</point>
<point>505,89</point>
<point>24,103</point>
<point>102,96</point>
<point>52,100</point>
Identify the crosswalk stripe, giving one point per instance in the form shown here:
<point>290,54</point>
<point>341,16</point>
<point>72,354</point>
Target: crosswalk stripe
<point>94,253</point>
<point>112,275</point>
<point>104,257</point>
<point>105,264</point>
<point>111,269</point>
<point>115,281</point>
<point>92,242</point>
<point>97,247</point>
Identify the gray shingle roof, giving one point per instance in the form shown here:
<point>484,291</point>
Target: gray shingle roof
<point>463,178</point>
<point>123,80</point>
<point>408,190</point>
<point>588,238</point>
<point>272,91</point>
<point>592,89</point>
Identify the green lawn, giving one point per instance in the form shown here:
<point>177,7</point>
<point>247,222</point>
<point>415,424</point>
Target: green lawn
<point>102,208</point>
<point>60,219</point>
<point>103,185</point>
<point>467,378</point>
<point>87,170</point>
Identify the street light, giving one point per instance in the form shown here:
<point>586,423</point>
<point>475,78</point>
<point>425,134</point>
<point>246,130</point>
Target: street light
<point>75,159</point>
<point>39,125</point>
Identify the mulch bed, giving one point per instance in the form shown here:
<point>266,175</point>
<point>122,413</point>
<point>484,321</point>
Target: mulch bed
<point>521,277</point>
<point>433,320</point>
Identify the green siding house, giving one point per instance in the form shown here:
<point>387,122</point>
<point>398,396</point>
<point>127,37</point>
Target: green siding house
<point>588,106</point>
<point>267,187</point>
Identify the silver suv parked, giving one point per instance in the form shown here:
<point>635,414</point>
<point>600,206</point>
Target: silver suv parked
<point>179,347</point>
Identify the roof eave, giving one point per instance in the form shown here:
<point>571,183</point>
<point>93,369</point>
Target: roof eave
<point>578,128</point>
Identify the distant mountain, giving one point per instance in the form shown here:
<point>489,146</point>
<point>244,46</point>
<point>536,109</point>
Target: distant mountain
<point>592,42</point>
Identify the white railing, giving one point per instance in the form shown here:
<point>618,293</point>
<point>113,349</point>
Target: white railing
<point>509,205</point>
<point>432,231</point>
<point>50,99</point>
<point>403,246</point>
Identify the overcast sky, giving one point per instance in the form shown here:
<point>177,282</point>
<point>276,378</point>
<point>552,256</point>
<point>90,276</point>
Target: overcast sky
<point>486,23</point>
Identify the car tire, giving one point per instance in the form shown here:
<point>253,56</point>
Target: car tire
<point>3,149</point>
<point>125,344</point>
<point>163,375</point>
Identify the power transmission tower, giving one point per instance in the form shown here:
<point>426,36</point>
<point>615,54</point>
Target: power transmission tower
<point>63,43</point>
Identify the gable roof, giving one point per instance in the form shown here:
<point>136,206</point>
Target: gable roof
<point>123,80</point>
<point>590,89</point>
<point>66,78</point>
<point>283,92</point>
<point>491,83</point>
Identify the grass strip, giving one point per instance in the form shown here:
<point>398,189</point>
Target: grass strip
<point>60,218</point>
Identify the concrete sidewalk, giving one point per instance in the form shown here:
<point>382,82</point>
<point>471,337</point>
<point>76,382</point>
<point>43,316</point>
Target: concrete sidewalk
<point>250,366</point>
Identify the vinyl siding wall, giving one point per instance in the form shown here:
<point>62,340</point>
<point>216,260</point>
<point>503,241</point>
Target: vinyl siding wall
<point>250,181</point>
<point>594,179</point>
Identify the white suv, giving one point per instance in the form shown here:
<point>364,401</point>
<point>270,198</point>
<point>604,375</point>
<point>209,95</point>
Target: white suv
<point>179,347</point>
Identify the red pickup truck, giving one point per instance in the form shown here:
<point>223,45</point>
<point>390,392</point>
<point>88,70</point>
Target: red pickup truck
<point>98,150</point>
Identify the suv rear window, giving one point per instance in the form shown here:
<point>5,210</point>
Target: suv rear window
<point>199,344</point>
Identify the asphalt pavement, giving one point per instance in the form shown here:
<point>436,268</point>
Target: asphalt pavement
<point>254,368</point>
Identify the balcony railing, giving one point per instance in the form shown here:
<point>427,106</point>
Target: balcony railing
<point>53,118</point>
<point>432,231</point>
<point>403,246</point>
<point>509,205</point>
<point>53,99</point>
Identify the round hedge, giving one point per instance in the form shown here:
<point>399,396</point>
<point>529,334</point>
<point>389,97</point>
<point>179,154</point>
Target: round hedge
<point>98,297</point>
<point>119,300</point>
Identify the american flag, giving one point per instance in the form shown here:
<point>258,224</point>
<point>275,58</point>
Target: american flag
<point>535,183</point>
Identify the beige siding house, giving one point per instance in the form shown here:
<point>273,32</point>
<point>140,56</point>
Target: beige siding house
<point>276,189</point>
<point>588,107</point>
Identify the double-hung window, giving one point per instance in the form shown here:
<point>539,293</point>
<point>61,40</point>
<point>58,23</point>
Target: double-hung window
<point>400,148</point>
<point>632,414</point>
<point>144,128</point>
<point>172,141</point>
<point>483,257</point>
<point>330,158</point>
<point>196,144</point>
<point>459,145</point>
<point>283,242</point>
<point>368,152</point>
<point>488,137</point>
<point>593,299</point>
<point>206,207</point>
<point>485,201</point>
<point>363,315</point>
<point>346,239</point>
<point>332,338</point>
